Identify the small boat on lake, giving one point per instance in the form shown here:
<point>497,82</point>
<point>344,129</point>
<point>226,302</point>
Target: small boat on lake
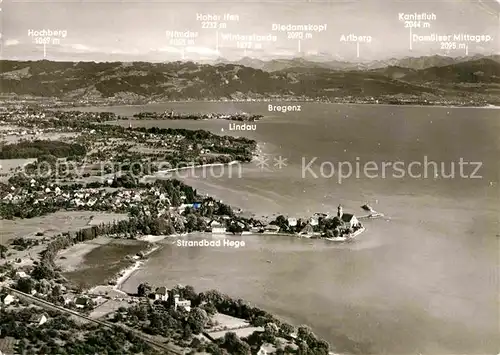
<point>368,208</point>
<point>337,239</point>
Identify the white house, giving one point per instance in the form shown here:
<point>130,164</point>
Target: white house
<point>186,304</point>
<point>67,300</point>
<point>8,300</point>
<point>8,197</point>
<point>313,221</point>
<point>81,302</point>
<point>39,319</point>
<point>266,349</point>
<point>217,228</point>
<point>292,222</point>
<point>348,218</point>
<point>21,274</point>
<point>161,293</point>
<point>271,228</point>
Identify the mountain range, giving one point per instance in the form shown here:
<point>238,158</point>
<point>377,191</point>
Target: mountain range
<point>472,80</point>
<point>320,62</point>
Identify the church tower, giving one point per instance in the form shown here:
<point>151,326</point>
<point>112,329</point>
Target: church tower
<point>339,212</point>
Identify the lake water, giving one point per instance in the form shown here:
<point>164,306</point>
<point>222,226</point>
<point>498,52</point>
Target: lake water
<point>422,280</point>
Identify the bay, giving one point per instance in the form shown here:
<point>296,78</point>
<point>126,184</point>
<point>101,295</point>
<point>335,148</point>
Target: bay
<point>422,280</point>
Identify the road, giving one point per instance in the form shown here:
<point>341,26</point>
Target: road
<point>48,305</point>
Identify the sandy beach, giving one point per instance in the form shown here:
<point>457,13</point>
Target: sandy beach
<point>157,238</point>
<point>197,167</point>
<point>123,275</point>
<point>126,273</point>
<point>81,261</point>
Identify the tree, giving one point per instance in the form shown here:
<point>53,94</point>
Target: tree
<point>196,343</point>
<point>286,329</point>
<point>281,222</point>
<point>210,309</point>
<point>260,321</point>
<point>213,296</point>
<point>197,320</point>
<point>3,251</point>
<point>143,289</point>
<point>176,198</point>
<point>142,313</point>
<point>201,224</point>
<point>271,329</point>
<point>270,332</point>
<point>44,287</point>
<point>212,348</point>
<point>235,228</point>
<point>43,271</point>
<point>303,348</point>
<point>304,332</point>
<point>188,333</point>
<point>191,222</point>
<point>321,347</point>
<point>225,210</point>
<point>25,285</point>
<point>189,293</point>
<point>234,345</point>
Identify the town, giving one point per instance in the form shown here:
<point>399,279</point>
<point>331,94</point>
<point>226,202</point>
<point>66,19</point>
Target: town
<point>117,211</point>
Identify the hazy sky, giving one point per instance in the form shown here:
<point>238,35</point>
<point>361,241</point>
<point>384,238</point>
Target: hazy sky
<point>136,30</point>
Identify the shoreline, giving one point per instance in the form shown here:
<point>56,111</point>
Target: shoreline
<point>128,272</point>
<point>256,154</point>
<point>124,274</point>
<point>103,105</point>
<point>234,162</point>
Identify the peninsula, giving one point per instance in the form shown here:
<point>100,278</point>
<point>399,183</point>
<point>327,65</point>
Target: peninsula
<point>172,115</point>
<point>79,165</point>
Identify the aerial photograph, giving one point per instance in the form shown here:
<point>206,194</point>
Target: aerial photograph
<point>249,177</point>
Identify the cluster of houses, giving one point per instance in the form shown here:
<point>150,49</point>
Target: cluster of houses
<point>172,297</point>
<point>154,202</point>
<point>218,226</point>
<point>70,299</point>
<point>36,318</point>
<point>348,220</point>
<point>91,198</point>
